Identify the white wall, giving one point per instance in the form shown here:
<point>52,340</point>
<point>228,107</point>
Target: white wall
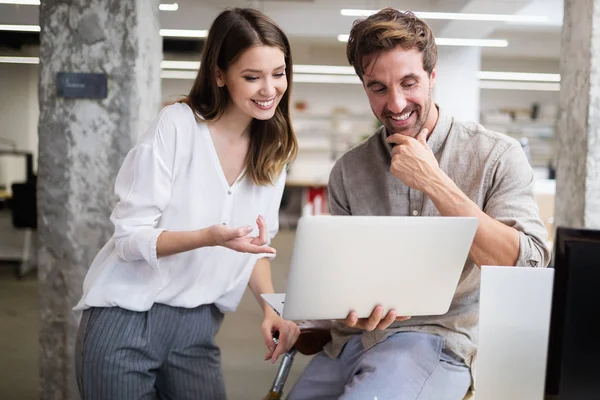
<point>19,113</point>
<point>457,84</point>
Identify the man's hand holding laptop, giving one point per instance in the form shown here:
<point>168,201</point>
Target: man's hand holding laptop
<point>376,321</point>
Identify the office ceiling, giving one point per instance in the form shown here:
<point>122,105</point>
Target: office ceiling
<point>319,22</point>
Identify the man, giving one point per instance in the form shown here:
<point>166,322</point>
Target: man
<point>421,162</point>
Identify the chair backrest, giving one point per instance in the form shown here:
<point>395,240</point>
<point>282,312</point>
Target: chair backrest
<point>514,320</point>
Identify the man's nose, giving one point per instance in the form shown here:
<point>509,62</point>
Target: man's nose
<point>396,102</point>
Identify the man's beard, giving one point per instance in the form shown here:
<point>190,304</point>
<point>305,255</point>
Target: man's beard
<point>414,129</point>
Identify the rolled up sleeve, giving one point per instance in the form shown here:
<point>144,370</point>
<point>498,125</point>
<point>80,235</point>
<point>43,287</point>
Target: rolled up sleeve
<point>143,187</point>
<point>511,200</point>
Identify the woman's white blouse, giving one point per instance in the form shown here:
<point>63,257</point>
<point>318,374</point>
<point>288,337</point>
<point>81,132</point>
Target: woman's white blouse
<point>173,180</point>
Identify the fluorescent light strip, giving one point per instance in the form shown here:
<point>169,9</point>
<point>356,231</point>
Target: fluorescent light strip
<point>189,33</point>
<point>324,69</point>
<point>20,28</point>
<point>483,17</point>
<point>471,42</point>
<point>168,74</point>
<point>21,2</point>
<point>163,32</point>
<point>168,7</point>
<point>161,7</point>
<point>518,76</point>
<point>193,65</point>
<point>456,42</point>
<point>320,78</point>
<point>508,85</point>
<point>457,16</point>
<point>19,60</point>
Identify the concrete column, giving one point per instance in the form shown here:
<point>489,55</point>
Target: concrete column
<point>578,162</point>
<point>82,143</point>
<point>457,83</point>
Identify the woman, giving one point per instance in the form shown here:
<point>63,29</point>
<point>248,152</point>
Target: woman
<point>198,206</point>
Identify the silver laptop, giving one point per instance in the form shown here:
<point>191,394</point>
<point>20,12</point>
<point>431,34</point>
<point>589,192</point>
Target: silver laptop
<point>343,263</point>
<point>514,326</point>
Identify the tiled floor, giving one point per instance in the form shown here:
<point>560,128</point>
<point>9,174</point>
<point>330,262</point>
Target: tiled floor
<point>247,375</point>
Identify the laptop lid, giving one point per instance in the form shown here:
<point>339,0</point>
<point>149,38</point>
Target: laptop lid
<point>411,264</point>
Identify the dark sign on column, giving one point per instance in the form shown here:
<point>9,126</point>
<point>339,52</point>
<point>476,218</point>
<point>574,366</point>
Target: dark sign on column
<point>81,85</point>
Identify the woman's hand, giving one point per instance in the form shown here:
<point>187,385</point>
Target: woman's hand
<point>237,238</point>
<point>288,334</point>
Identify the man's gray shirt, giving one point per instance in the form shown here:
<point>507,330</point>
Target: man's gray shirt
<point>490,168</point>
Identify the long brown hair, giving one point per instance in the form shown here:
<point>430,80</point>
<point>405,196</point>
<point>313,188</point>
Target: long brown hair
<point>385,30</point>
<point>273,143</point>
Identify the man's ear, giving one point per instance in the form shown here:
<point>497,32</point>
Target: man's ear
<point>432,77</point>
<point>220,77</point>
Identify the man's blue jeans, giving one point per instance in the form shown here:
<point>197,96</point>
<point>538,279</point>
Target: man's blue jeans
<point>406,366</point>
